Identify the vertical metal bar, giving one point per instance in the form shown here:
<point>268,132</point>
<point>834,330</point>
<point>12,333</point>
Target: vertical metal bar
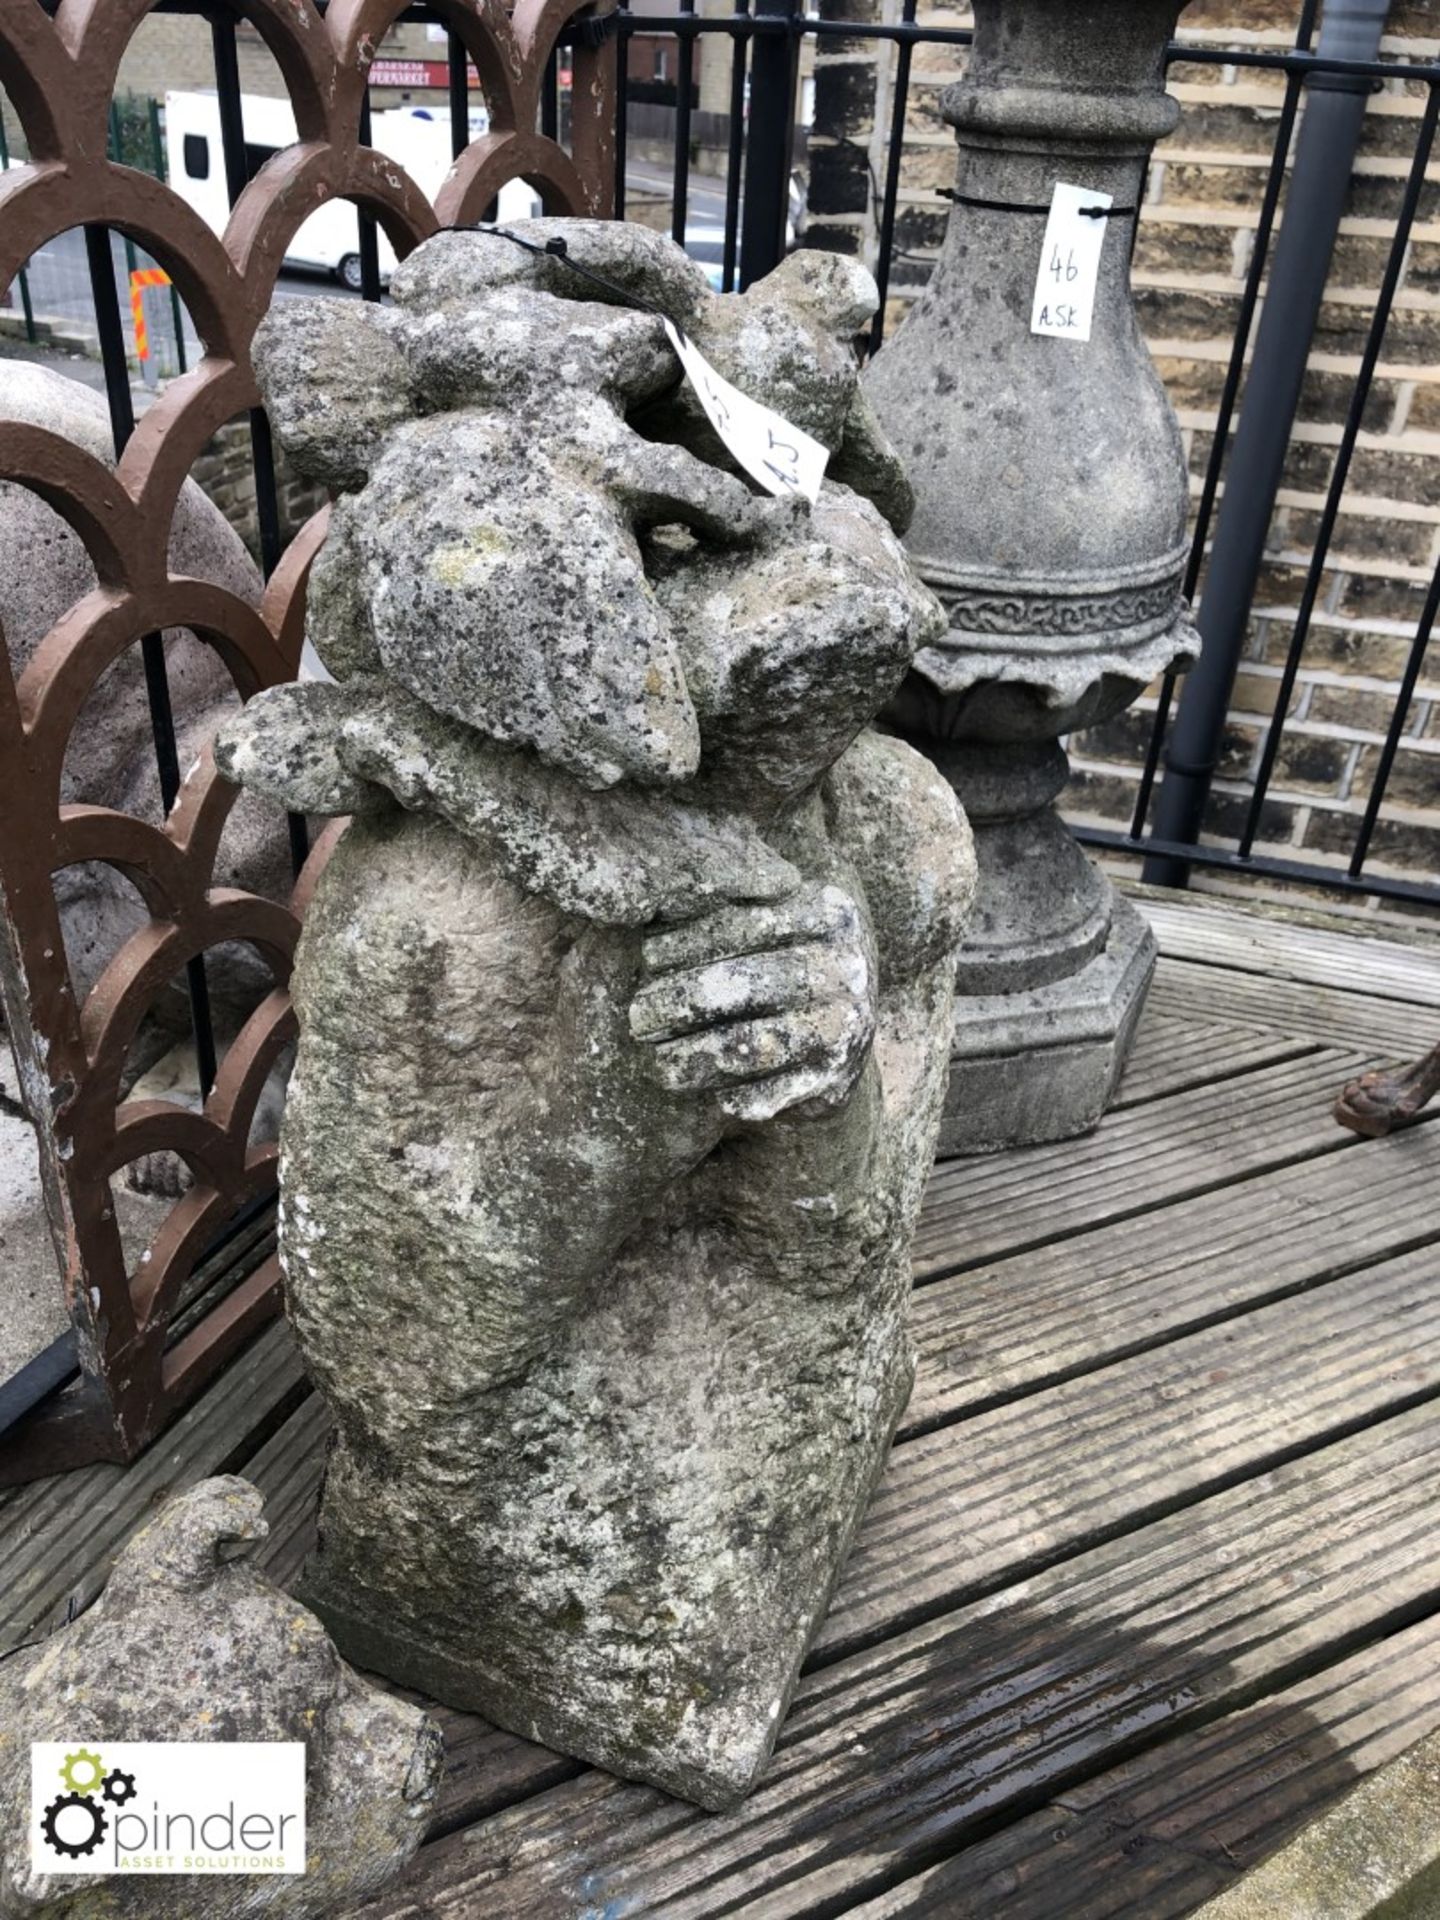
<point>685,86</point>
<point>1152,756</point>
<point>111,331</point>
<point>131,258</point>
<point>369,237</point>
<point>157,161</point>
<point>1245,320</point>
<point>1315,199</point>
<point>892,176</point>
<point>1394,266</point>
<point>770,137</point>
<point>232,111</point>
<point>622,95</point>
<point>262,445</point>
<point>550,97</point>
<point>27,308</point>
<point>459,83</point>
<point>1397,724</point>
<point>736,149</point>
<point>25,305</point>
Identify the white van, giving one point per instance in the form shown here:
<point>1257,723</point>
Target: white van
<point>330,238</point>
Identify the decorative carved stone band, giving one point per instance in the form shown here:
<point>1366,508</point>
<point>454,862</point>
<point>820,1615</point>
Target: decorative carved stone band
<point>1147,602</point>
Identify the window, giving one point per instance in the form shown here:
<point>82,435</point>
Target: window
<point>197,156</point>
<point>662,63</point>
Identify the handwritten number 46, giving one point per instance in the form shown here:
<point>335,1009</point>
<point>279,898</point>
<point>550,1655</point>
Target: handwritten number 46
<point>1063,266</point>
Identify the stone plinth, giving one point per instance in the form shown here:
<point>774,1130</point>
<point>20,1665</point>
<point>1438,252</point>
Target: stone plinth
<point>1051,520</point>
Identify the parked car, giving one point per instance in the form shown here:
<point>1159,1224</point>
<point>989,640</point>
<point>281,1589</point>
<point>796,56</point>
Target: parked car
<point>706,247</point>
<point>330,238</point>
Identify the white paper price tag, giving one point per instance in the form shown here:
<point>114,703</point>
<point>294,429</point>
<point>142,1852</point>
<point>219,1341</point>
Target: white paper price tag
<point>779,456</point>
<point>1069,264</point>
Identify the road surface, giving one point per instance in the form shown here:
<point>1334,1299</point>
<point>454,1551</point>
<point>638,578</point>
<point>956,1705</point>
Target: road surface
<point>59,277</point>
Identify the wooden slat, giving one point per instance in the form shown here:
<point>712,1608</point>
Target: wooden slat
<point>1184,990</point>
<point>960,1510</point>
<point>1153,1838</point>
<point>1152,1155</point>
<point>1169,1056</point>
<point>287,1470</point>
<point>1267,943</point>
<point>1007,1327</point>
<point>59,1537</point>
<point>487,1770</point>
<point>893,1756</point>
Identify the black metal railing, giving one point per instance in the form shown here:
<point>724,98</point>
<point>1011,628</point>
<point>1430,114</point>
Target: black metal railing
<point>764,39</point>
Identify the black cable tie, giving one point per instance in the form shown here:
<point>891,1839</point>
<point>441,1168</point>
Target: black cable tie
<point>594,29</point>
<point>557,247</point>
<point>1019,206</point>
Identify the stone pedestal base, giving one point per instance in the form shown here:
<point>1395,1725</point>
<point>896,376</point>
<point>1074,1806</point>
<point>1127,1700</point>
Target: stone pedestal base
<point>1043,1064</point>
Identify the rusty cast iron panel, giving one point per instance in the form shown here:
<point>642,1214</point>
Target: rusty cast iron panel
<point>60,75</point>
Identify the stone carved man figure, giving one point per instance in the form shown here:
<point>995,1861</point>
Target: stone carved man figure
<point>625,999</point>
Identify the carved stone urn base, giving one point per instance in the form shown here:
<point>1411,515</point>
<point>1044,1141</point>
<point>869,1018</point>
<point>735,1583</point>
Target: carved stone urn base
<point>1043,1064</point>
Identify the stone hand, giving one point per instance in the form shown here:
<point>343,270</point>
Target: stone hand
<point>766,1006</point>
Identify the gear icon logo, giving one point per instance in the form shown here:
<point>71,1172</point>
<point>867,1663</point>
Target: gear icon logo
<point>74,1843</point>
<point>89,1768</point>
<point>118,1787</point>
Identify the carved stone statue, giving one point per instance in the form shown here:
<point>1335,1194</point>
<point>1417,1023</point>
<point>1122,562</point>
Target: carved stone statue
<point>625,1001</point>
<point>190,1642</point>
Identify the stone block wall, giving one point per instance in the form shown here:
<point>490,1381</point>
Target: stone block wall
<point>226,471</point>
<point>1192,251</point>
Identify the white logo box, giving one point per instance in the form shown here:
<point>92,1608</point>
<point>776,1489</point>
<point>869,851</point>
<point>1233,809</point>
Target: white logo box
<point>173,1807</point>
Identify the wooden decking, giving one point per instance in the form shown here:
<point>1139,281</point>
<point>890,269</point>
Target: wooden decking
<point>1155,1570</point>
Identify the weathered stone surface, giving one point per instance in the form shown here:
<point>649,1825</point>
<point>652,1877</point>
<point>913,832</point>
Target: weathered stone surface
<point>1052,521</point>
<point>788,336</point>
<point>1377,1853</point>
<point>623,1033</point>
<point>189,1643</point>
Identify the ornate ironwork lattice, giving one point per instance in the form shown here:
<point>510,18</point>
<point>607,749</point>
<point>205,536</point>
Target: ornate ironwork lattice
<point>60,74</point>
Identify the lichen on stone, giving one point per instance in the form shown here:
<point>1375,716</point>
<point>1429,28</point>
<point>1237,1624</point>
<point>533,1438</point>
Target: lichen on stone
<point>624,1001</point>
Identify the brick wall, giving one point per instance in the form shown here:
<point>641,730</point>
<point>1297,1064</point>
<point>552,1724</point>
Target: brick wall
<point>226,471</point>
<point>172,52</point>
<point>1193,248</point>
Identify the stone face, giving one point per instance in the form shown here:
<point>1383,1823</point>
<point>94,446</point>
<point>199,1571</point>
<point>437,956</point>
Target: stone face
<point>625,1004</point>
<point>190,1643</point>
<point>1051,521</point>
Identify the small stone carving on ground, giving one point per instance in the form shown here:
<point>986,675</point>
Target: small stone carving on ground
<point>190,1643</point>
<point>625,1001</point>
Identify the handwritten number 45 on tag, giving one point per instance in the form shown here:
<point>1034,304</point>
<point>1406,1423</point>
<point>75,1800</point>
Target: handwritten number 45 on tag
<point>778,455</point>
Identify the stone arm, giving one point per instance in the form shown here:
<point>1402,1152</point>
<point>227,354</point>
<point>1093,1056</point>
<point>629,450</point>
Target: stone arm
<point>894,817</point>
<point>658,485</point>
